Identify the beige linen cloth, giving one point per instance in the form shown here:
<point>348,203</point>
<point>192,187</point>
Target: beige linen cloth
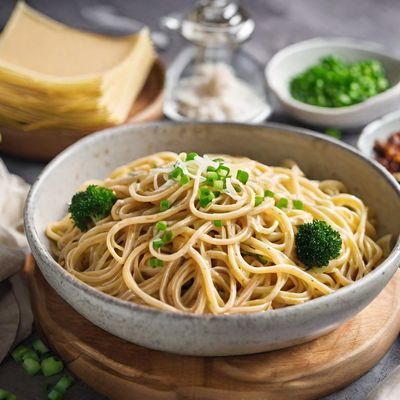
<point>15,312</point>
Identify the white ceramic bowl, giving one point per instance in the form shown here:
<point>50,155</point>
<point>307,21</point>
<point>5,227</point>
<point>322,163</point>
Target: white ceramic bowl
<point>379,130</point>
<point>320,157</point>
<point>296,58</point>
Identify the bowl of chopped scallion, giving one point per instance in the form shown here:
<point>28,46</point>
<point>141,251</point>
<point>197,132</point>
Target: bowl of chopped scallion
<point>345,83</point>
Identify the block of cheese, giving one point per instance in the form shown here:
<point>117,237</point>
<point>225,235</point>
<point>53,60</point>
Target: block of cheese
<point>54,76</point>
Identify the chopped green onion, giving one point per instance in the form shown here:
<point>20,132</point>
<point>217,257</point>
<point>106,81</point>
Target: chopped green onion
<point>167,237</point>
<point>161,226</point>
<point>184,180</point>
<point>282,202</point>
<point>155,262</point>
<point>258,200</point>
<point>217,193</point>
<point>298,205</point>
<point>164,205</point>
<point>204,191</point>
<point>51,366</point>
<point>64,384</point>
<point>218,184</point>
<point>30,354</point>
<point>55,395</point>
<point>5,395</point>
<point>157,243</point>
<point>212,175</point>
<point>242,176</point>
<point>218,223</point>
<point>219,160</point>
<point>223,171</point>
<point>19,352</point>
<point>206,199</point>
<point>333,132</point>
<point>269,193</point>
<point>210,168</point>
<point>40,347</point>
<point>191,156</point>
<point>31,366</point>
<point>176,173</point>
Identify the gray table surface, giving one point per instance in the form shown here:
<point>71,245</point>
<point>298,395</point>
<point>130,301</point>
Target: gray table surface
<point>278,24</point>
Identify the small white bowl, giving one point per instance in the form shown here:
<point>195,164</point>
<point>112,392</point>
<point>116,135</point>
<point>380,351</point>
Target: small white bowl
<point>296,58</point>
<point>381,130</point>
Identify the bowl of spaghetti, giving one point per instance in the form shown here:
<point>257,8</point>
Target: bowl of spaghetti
<point>214,239</point>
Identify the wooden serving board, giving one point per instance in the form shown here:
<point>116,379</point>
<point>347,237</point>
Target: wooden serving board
<point>121,370</point>
<point>44,145</point>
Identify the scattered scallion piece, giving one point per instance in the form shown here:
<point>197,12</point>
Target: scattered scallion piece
<point>164,205</point>
<point>218,184</point>
<point>64,383</point>
<point>167,237</point>
<point>212,175</point>
<point>333,132</point>
<point>161,226</point>
<point>218,223</point>
<point>242,176</point>
<point>51,366</point>
<point>31,366</point>
<point>223,171</point>
<point>176,173</point>
<point>30,354</point>
<point>19,352</point>
<point>155,262</point>
<point>298,205</point>
<point>157,243</point>
<point>282,202</point>
<point>258,200</point>
<point>40,347</point>
<point>190,156</point>
<point>269,193</point>
<point>219,160</point>
<point>55,395</point>
<point>184,180</point>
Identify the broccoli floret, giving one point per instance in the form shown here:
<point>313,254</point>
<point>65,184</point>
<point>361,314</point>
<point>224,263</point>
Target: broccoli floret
<point>317,243</point>
<point>90,206</point>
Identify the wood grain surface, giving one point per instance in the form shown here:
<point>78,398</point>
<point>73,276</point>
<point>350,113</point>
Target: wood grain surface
<point>45,145</point>
<point>121,370</point>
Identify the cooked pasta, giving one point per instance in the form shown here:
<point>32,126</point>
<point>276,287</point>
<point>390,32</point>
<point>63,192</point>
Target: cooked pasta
<point>215,234</point>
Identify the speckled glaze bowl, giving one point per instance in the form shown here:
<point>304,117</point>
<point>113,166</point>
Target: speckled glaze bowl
<point>320,157</point>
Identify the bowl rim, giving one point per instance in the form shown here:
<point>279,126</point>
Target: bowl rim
<point>350,43</point>
<point>40,251</point>
<point>370,130</point>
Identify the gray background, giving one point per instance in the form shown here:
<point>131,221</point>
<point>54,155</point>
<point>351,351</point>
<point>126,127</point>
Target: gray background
<point>278,23</point>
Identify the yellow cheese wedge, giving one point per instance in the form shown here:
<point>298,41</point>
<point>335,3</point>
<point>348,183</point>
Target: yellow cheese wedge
<point>54,76</point>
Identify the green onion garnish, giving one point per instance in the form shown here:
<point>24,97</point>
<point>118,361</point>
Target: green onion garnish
<point>282,202</point>
<point>184,180</point>
<point>167,237</point>
<point>218,184</point>
<point>155,262</point>
<point>212,175</point>
<point>40,347</point>
<point>210,168</point>
<point>258,200</point>
<point>55,395</point>
<point>176,173</point>
<point>333,132</point>
<point>219,160</point>
<point>191,156</point>
<point>268,193</point>
<point>218,223</point>
<point>223,171</point>
<point>157,243</point>
<point>164,205</point>
<point>242,176</point>
<point>298,205</point>
<point>51,366</point>
<point>30,354</point>
<point>19,352</point>
<point>205,200</point>
<point>64,384</point>
<point>5,395</point>
<point>31,366</point>
<point>161,226</point>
